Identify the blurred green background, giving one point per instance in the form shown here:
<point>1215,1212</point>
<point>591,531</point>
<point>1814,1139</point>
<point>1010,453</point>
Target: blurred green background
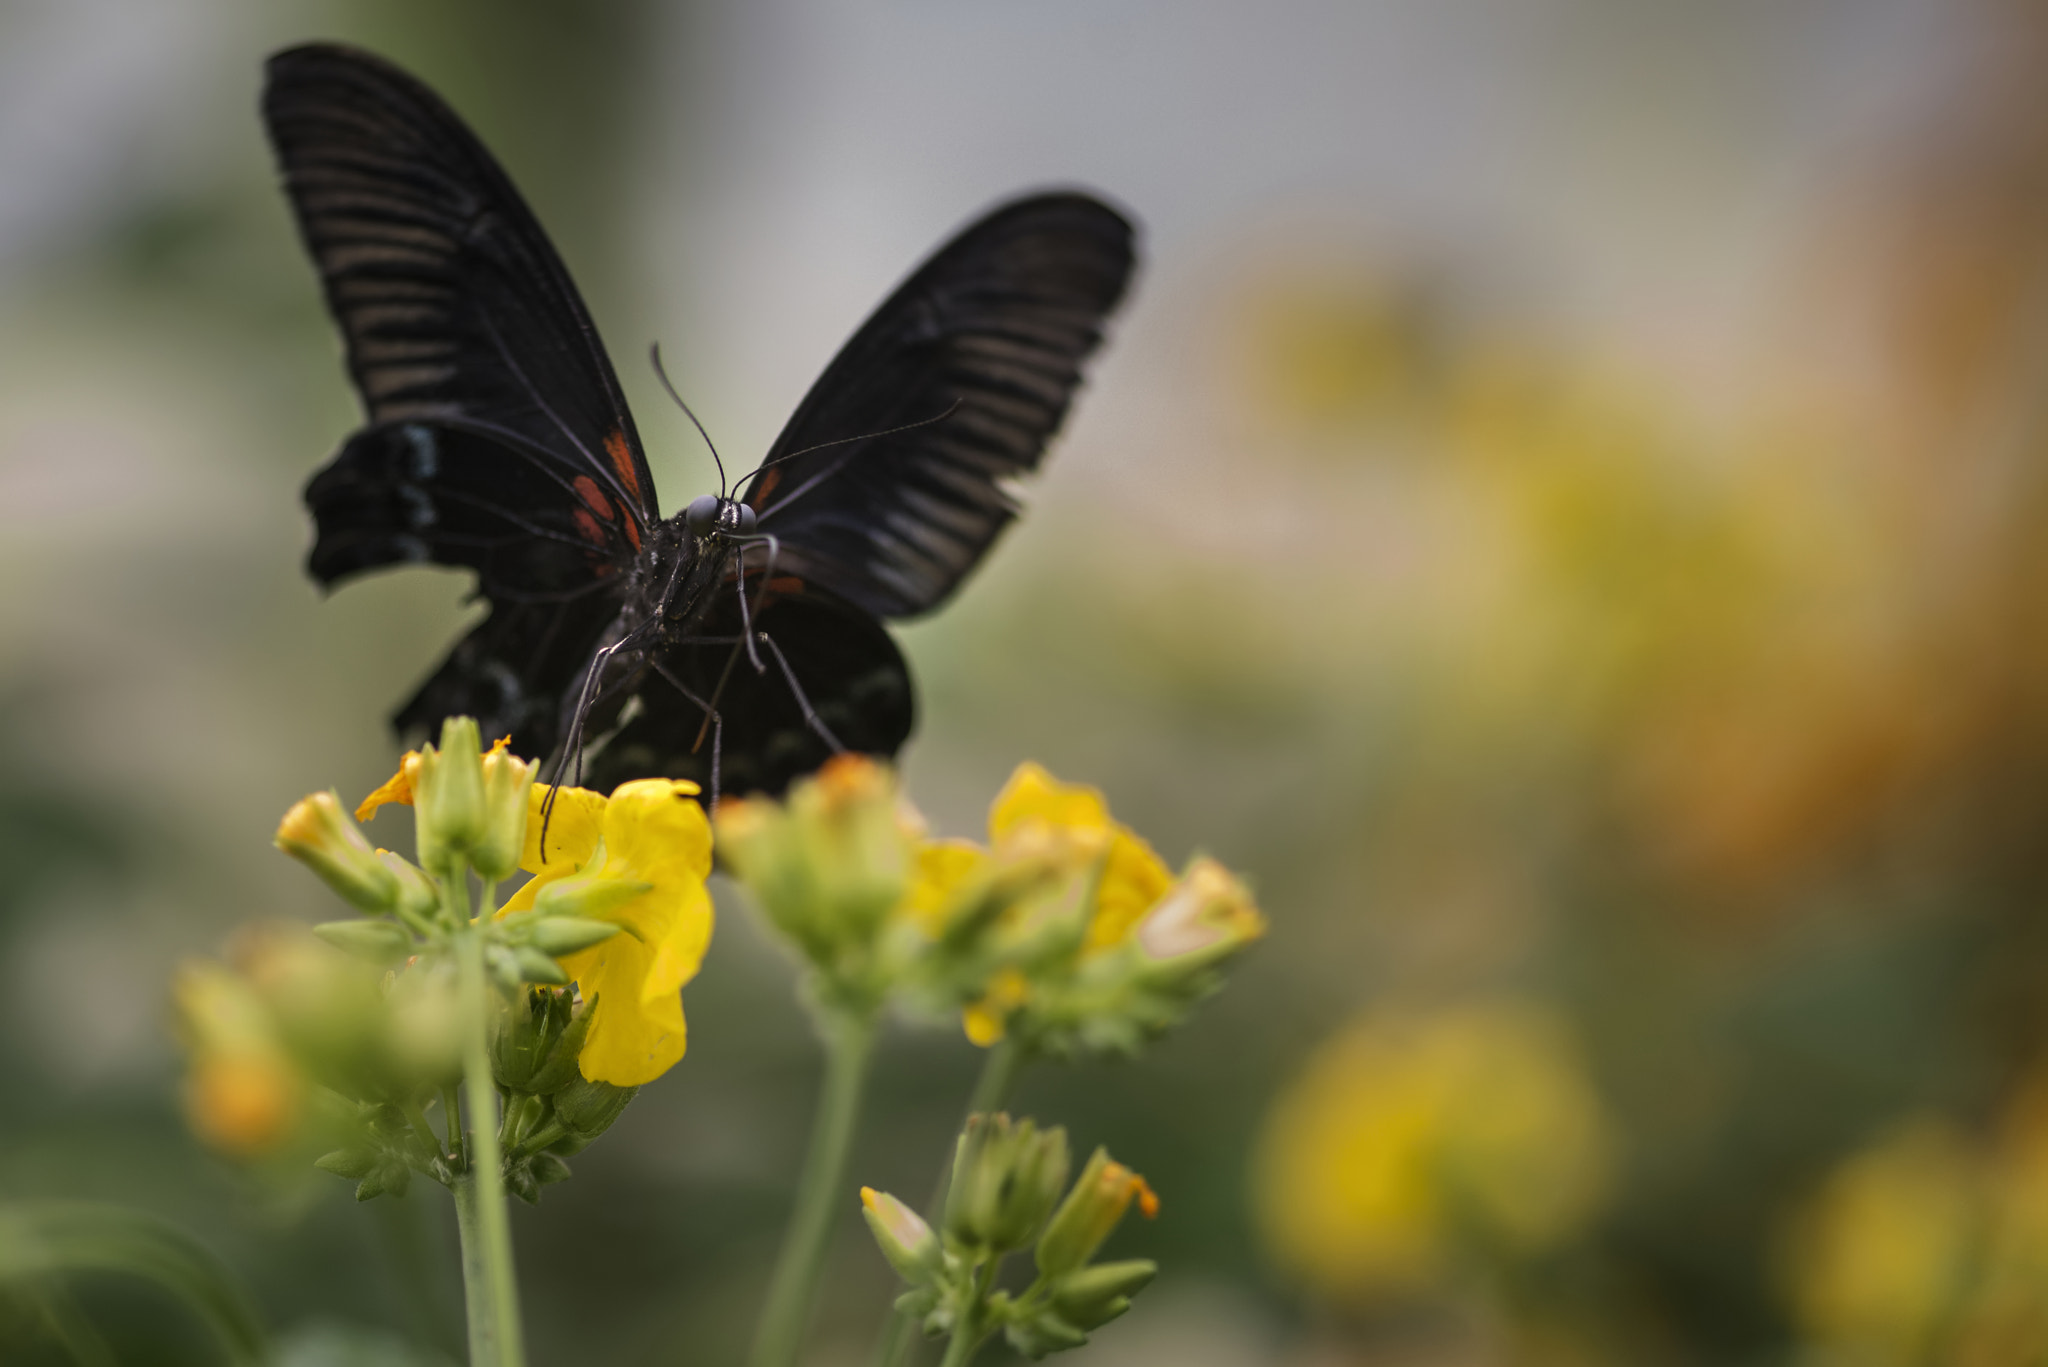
<point>1563,512</point>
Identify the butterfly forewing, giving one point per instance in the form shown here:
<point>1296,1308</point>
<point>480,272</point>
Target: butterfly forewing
<point>454,308</point>
<point>966,372</point>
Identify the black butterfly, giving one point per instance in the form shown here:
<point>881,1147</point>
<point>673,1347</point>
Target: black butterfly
<point>498,440</point>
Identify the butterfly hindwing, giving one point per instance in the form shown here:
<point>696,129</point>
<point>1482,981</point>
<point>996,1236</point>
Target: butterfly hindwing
<point>987,338</point>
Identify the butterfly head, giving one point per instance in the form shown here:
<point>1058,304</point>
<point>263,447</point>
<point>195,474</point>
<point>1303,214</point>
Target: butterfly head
<point>711,515</point>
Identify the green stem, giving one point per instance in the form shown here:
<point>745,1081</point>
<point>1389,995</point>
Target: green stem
<point>490,1288</point>
<point>999,1072</point>
<point>971,1332</point>
<point>849,1045</point>
<point>998,1079</point>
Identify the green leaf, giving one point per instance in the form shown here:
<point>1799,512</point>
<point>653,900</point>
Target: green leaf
<point>42,1239</point>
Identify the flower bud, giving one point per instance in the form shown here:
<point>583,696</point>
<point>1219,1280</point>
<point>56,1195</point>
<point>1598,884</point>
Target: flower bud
<point>320,835</point>
<point>418,901</point>
<point>1092,1209</point>
<point>378,942</point>
<point>536,967</point>
<point>506,780</point>
<point>448,796</point>
<point>586,1110</point>
<point>559,1067</point>
<point>1006,1176</point>
<point>1093,1296</point>
<point>558,935</point>
<point>903,1236</point>
<point>587,896</point>
<point>828,867</point>
<point>1207,916</point>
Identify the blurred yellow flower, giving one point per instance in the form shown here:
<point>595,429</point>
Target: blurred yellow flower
<point>1878,1262</point>
<point>243,1095</point>
<point>1410,1144</point>
<point>649,832</point>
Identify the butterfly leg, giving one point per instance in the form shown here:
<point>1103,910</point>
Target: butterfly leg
<point>747,616</point>
<point>710,715</point>
<point>811,717</point>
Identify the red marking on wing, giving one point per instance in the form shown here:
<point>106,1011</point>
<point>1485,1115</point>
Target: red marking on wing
<point>765,488</point>
<point>786,584</point>
<point>592,529</point>
<point>587,490</point>
<point>622,461</point>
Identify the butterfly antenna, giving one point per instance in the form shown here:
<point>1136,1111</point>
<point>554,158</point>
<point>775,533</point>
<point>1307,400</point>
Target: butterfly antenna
<point>951,409</point>
<point>655,353</point>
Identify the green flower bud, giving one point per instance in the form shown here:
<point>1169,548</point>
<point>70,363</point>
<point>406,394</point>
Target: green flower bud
<point>379,942</point>
<point>903,1236</point>
<point>1043,1335</point>
<point>506,781</point>
<point>536,967</point>
<point>559,1069</point>
<point>556,935</point>
<point>504,968</point>
<point>354,1164</point>
<point>320,834</point>
<point>586,896</point>
<point>418,902</point>
<point>524,1036</point>
<point>1093,1296</point>
<point>1092,1209</point>
<point>448,797</point>
<point>586,1110</point>
<point>1006,1176</point>
<point>829,866</point>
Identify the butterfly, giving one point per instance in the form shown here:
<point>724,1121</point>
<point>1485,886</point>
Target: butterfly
<point>740,642</point>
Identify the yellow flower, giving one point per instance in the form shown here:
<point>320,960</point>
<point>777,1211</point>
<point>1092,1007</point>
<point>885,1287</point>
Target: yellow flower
<point>1098,872</point>
<point>1035,809</point>
<point>649,832</point>
<point>243,1094</point>
<point>1407,1140</point>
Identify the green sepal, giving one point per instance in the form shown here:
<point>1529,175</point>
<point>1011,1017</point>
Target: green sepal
<point>547,1169</point>
<point>354,1164</point>
<point>559,1068</point>
<point>520,1181</point>
<point>380,942</point>
<point>536,967</point>
<point>557,935</point>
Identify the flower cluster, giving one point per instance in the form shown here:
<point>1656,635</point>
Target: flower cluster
<point>1066,933</point>
<point>584,967</point>
<point>1007,1177</point>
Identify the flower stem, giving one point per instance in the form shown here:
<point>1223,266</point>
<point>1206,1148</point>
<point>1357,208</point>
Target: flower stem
<point>849,1045</point>
<point>991,1092</point>
<point>490,1287</point>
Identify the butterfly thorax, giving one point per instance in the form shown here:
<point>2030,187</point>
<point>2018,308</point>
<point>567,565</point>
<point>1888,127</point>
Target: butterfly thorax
<point>687,560</point>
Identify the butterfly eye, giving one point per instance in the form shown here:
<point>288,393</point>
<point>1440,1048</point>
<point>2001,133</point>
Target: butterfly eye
<point>748,520</point>
<point>702,515</point>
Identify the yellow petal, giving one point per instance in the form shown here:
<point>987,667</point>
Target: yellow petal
<point>655,826</point>
<point>1032,794</point>
<point>1134,878</point>
<point>397,788</point>
<point>943,868</point>
<point>573,826</point>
